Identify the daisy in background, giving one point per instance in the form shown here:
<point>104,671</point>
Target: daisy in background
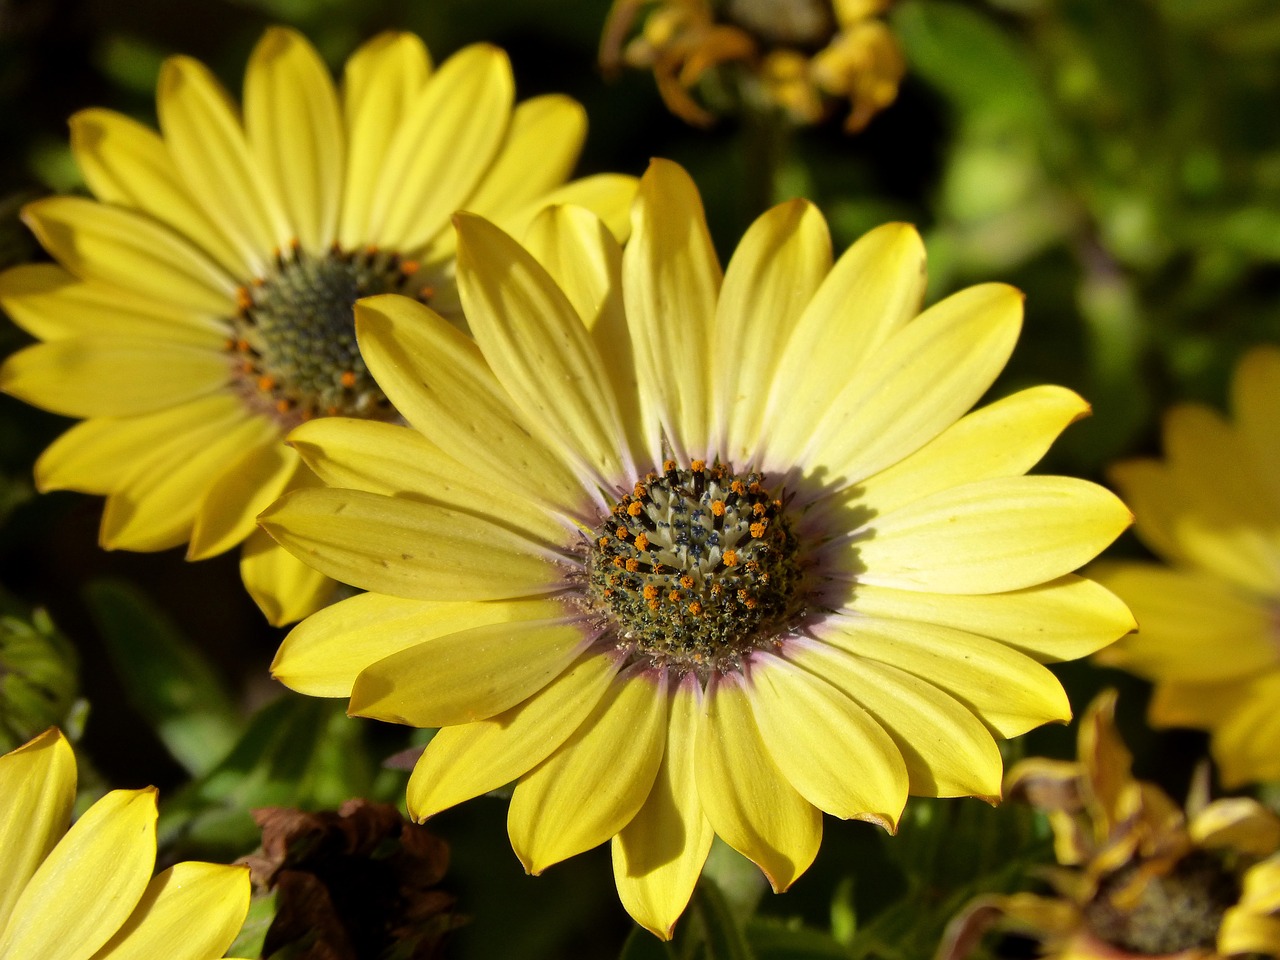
<point>687,554</point>
<point>1211,510</point>
<point>200,307</point>
<point>1138,876</point>
<point>87,892</point>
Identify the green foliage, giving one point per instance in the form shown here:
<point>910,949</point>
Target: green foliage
<point>39,687</point>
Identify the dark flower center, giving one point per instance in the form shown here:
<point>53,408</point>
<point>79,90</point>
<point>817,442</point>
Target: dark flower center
<point>697,567</point>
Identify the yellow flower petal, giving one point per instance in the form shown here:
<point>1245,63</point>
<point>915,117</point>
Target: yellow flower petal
<point>1146,486</point>
<point>447,139</point>
<point>831,750</point>
<point>439,381</point>
<point>1192,626</point>
<point>400,462</point>
<point>531,337</point>
<point>208,146</point>
<point>612,757</point>
<point>658,855</point>
<point>1255,401</point>
<point>284,588</point>
<point>746,797</point>
<point>874,289</point>
<point>1236,824</point>
<point>989,536</point>
<point>1197,442</point>
<point>1003,439</point>
<point>957,347</point>
<point>51,304</point>
<point>947,751</point>
<point>1196,704</point>
<point>472,674</point>
<point>1262,887</point>
<point>89,884</point>
<point>37,790</point>
<point>295,133</point>
<point>229,509</point>
<point>608,195</point>
<point>111,376</point>
<point>1243,933</point>
<point>323,655</point>
<point>129,250</point>
<point>469,759</point>
<point>1245,737</point>
<point>155,506</point>
<point>1064,619</point>
<point>774,273</point>
<point>671,280</point>
<point>1007,691</point>
<point>128,164</point>
<point>192,911</point>
<point>406,548</point>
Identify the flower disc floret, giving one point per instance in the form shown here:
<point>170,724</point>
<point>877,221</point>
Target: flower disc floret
<point>696,567</point>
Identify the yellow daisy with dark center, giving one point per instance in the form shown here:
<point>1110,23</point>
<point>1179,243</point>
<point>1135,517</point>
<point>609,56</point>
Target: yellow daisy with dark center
<point>201,306</point>
<point>687,553</point>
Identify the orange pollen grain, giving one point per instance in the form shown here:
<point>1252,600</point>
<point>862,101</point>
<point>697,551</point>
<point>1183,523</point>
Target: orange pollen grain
<point>758,528</point>
<point>619,562</point>
<point>717,507</point>
<point>621,533</point>
<point>371,250</point>
<point>650,592</point>
<point>738,487</point>
<point>634,509</point>
<point>283,406</point>
<point>731,558</point>
<point>426,293</point>
<point>674,596</point>
<point>633,565</point>
<point>695,608</point>
<point>758,509</point>
<point>697,466</point>
<point>266,383</point>
<point>410,267</point>
<point>640,491</point>
<point>687,582</point>
<point>348,378</point>
<point>603,542</point>
<point>244,299</point>
<point>642,542</point>
<point>668,465</point>
<point>242,346</point>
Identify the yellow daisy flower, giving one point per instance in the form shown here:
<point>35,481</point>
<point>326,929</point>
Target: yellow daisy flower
<point>1139,878</point>
<point>1211,509</point>
<point>685,553</point>
<point>201,307</point>
<point>803,55</point>
<point>87,893</point>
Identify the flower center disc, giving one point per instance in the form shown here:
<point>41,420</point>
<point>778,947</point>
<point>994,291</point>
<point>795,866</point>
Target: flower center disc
<point>295,336</point>
<point>697,567</point>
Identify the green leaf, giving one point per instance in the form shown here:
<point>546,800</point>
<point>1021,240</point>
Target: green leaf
<point>725,939</point>
<point>643,945</point>
<point>38,682</point>
<point>166,678</point>
<point>774,939</point>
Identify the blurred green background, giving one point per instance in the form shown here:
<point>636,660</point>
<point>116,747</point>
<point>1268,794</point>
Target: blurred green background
<point>1118,161</point>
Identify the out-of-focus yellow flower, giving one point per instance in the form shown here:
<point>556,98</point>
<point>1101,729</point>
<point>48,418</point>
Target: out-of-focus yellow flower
<point>201,306</point>
<point>87,892</point>
<point>690,552</point>
<point>1210,616</point>
<point>1139,877</point>
<point>800,55</point>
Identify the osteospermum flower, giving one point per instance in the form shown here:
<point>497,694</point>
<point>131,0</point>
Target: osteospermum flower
<point>799,55</point>
<point>201,306</point>
<point>686,554</point>
<point>87,893</point>
<point>1139,877</point>
<point>1211,510</point>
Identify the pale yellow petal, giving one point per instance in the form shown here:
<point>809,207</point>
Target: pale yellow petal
<point>97,455</point>
<point>1244,933</point>
<point>1262,886</point>
<point>89,884</point>
<point>608,195</point>
<point>400,462</point>
<point>532,337</point>
<point>129,250</point>
<point>324,654</point>
<point>1236,824</point>
<point>1007,691</point>
<point>990,536</point>
<point>1064,619</point>
<point>192,911</point>
<point>202,129</point>
<point>874,289</point>
<point>51,304</point>
<point>229,509</point>
<point>407,548</point>
<point>466,760</point>
<point>1246,736</point>
<point>746,797</point>
<point>958,347</point>
<point>471,674</point>
<point>772,276</point>
<point>155,506</point>
<point>128,164</point>
<point>1192,626</point>
<point>947,751</point>
<point>658,855</point>
<point>447,138</point>
<point>379,83</point>
<point>610,760</point>
<point>831,750</point>
<point>1148,489</point>
<point>1255,401</point>
<point>671,279</point>
<point>1201,705</point>
<point>1003,439</point>
<point>1197,442</point>
<point>37,790</point>
<point>295,134</point>
<point>437,378</point>
<point>284,588</point>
